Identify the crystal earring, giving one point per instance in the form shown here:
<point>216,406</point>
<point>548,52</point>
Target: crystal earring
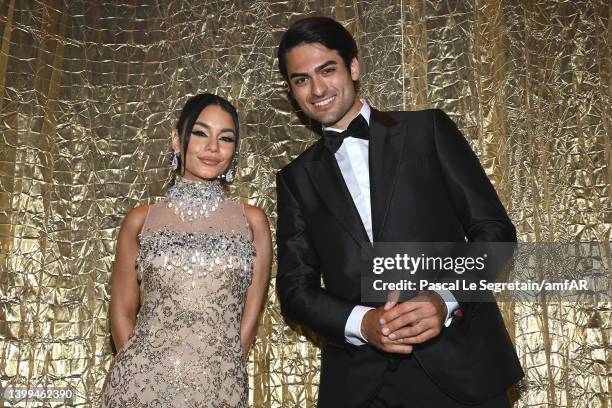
<point>174,161</point>
<point>229,176</point>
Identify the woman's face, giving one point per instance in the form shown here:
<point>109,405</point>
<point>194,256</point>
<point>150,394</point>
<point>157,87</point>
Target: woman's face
<point>211,146</point>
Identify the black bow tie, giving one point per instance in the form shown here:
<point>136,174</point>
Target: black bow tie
<point>357,128</point>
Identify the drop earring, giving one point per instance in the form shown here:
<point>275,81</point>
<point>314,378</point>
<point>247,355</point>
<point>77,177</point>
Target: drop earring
<point>229,176</point>
<point>174,161</point>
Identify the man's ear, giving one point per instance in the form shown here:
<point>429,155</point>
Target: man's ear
<point>355,69</point>
<point>288,89</point>
<point>294,104</point>
<point>176,145</point>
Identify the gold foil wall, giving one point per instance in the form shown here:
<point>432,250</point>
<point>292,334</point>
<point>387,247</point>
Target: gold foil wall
<point>90,91</point>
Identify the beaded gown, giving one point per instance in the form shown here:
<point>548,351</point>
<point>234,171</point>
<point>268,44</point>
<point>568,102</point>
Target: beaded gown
<point>194,268</point>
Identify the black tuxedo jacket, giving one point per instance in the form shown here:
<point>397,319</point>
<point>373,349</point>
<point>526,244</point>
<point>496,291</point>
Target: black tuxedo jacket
<point>426,185</point>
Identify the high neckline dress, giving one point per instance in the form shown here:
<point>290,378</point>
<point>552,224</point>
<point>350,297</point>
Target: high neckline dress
<point>194,268</point>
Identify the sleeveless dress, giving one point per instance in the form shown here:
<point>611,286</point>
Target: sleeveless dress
<point>194,268</point>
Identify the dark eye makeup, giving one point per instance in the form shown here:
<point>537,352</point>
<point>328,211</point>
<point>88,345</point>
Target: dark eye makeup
<point>226,138</point>
<point>200,133</point>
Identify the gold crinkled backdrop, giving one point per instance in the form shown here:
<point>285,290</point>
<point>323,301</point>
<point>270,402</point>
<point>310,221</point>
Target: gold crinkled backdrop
<point>90,90</point>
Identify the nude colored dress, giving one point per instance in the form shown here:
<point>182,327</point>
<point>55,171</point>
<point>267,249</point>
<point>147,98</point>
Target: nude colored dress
<point>185,350</point>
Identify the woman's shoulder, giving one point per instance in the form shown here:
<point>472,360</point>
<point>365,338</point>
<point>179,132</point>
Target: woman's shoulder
<point>256,217</point>
<point>135,218</point>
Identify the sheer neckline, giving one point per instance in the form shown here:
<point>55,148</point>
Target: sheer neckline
<point>194,199</point>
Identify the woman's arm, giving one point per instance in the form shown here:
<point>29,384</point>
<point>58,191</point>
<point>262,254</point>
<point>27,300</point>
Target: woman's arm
<point>125,294</point>
<point>262,262</point>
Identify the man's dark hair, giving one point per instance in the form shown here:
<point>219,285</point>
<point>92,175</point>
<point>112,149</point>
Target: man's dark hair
<point>321,30</point>
<point>189,115</point>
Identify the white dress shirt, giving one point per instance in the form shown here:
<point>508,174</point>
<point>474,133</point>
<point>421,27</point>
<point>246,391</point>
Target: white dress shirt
<point>352,158</point>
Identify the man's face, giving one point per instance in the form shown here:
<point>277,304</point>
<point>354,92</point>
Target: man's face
<point>322,85</point>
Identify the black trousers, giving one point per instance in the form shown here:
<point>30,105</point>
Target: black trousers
<point>406,385</point>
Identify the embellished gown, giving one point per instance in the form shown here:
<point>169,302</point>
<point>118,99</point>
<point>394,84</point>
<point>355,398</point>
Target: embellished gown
<point>194,268</point>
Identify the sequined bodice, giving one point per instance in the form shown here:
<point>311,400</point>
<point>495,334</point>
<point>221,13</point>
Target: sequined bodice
<point>194,268</point>
<point>191,265</point>
<point>185,265</point>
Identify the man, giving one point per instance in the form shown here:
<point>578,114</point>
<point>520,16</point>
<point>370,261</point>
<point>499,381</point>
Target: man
<point>388,177</point>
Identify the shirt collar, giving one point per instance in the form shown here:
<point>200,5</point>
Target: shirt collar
<point>365,112</point>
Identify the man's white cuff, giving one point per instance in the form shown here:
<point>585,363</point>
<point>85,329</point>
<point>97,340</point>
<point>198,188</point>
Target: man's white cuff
<point>451,305</point>
<point>352,329</point>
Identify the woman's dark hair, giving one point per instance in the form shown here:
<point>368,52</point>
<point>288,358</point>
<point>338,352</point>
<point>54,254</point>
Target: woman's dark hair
<point>189,115</point>
<point>321,30</point>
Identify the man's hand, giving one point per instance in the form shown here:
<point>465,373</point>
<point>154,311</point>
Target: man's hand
<point>414,321</point>
<point>371,328</point>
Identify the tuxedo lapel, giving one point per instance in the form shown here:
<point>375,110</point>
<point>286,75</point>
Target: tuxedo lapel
<point>385,154</point>
<point>328,181</point>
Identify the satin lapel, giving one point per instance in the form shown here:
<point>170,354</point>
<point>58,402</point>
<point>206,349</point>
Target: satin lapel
<point>385,154</point>
<point>327,179</point>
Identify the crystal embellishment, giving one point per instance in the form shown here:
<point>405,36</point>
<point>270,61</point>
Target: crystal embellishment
<point>192,200</point>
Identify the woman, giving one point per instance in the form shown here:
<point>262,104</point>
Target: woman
<point>190,277</point>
